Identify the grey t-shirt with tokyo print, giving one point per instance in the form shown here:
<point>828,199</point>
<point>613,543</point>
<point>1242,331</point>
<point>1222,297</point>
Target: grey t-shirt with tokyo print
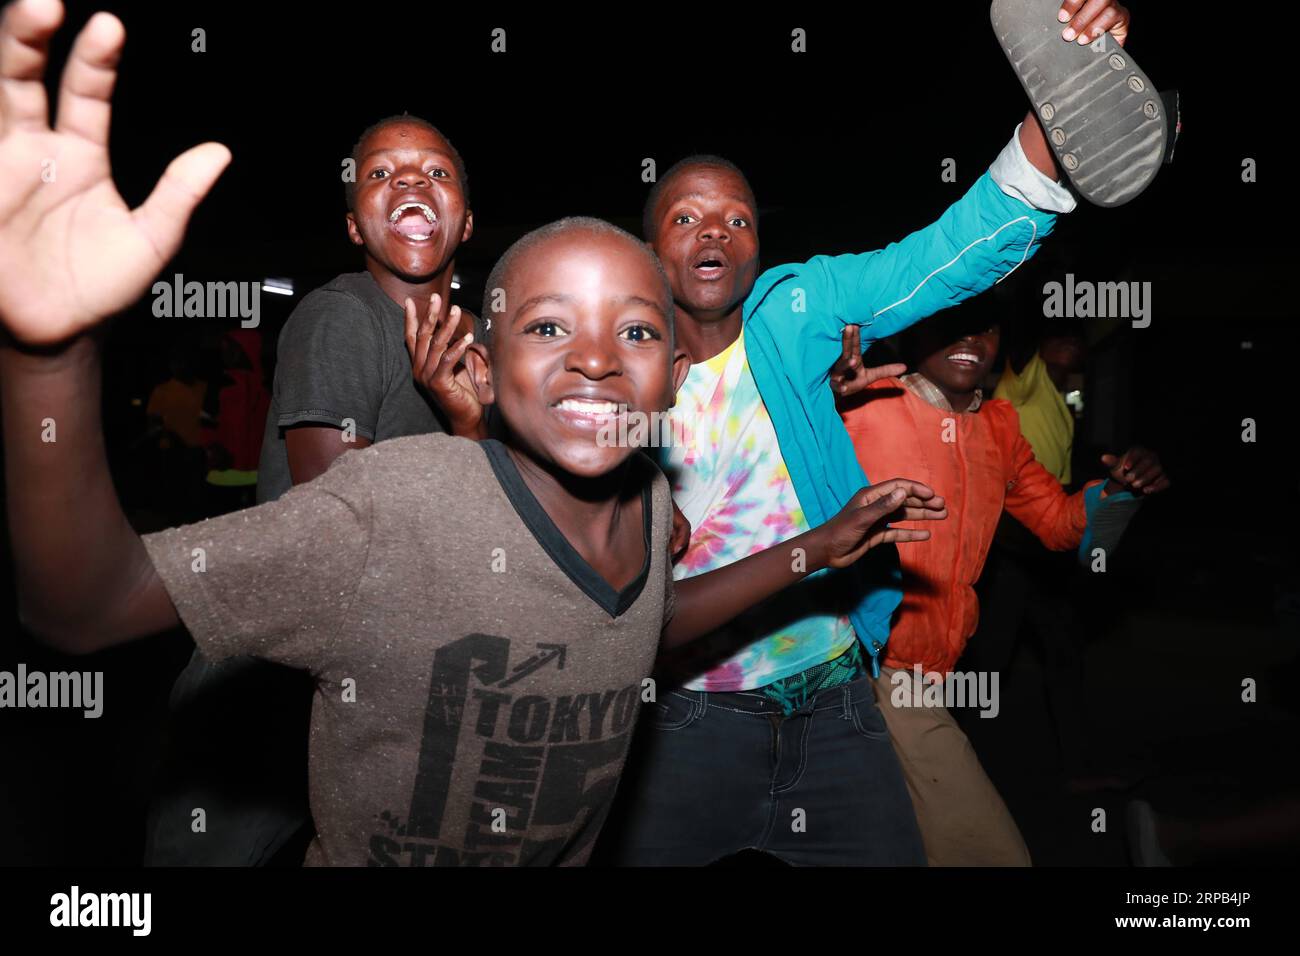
<point>476,680</point>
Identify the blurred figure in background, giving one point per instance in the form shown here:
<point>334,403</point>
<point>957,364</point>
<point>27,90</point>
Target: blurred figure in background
<point>1035,385</point>
<point>175,416</point>
<point>238,418</point>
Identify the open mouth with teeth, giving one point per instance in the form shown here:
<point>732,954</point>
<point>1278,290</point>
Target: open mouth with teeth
<point>414,220</point>
<point>965,359</point>
<point>589,412</point>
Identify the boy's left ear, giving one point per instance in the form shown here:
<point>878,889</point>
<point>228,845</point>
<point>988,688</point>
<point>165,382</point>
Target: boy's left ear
<point>479,366</point>
<point>681,368</point>
<point>469,226</point>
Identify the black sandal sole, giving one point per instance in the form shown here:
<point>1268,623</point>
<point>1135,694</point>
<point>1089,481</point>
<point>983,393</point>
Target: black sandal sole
<point>1100,112</point>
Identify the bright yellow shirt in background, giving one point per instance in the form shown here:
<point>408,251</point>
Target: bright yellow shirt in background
<point>1045,420</point>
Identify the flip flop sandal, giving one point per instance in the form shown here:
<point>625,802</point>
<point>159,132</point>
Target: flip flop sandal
<point>1101,114</point>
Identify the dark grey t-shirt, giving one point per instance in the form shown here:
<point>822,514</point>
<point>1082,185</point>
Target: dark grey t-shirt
<point>342,356</point>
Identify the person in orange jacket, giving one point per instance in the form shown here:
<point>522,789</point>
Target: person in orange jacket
<point>934,423</point>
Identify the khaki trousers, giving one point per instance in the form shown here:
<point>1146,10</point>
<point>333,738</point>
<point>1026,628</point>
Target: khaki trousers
<point>962,818</point>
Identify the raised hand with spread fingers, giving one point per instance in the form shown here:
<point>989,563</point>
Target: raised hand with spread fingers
<point>72,252</point>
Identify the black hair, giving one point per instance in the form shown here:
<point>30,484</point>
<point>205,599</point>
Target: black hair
<point>706,160</point>
<point>501,271</point>
<point>350,188</point>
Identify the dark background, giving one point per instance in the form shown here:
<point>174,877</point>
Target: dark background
<point>844,146</point>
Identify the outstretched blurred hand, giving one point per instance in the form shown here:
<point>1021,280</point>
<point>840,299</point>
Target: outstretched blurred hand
<point>71,252</point>
<point>1138,471</point>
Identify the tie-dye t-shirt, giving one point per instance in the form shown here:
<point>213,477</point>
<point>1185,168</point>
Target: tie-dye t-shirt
<point>731,483</point>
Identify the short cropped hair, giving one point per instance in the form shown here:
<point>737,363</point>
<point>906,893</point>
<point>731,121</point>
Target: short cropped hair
<point>501,271</point>
<point>350,188</point>
<point>706,160</point>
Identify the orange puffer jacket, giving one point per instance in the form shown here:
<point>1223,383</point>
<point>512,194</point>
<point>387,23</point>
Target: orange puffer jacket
<point>980,463</point>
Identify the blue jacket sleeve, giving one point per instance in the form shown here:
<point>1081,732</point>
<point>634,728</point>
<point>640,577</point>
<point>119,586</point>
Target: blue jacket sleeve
<point>979,239</point>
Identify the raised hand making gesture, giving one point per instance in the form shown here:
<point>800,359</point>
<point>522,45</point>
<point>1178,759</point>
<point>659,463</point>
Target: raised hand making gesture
<point>848,375</point>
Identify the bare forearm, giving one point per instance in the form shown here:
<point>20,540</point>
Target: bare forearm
<point>84,578</point>
<point>1034,143</point>
<point>707,601</point>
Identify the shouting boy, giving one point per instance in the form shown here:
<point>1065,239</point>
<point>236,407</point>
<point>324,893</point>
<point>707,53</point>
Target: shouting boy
<point>239,728</point>
<point>770,458</point>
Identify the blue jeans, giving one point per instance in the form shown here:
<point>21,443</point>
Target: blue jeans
<point>709,775</point>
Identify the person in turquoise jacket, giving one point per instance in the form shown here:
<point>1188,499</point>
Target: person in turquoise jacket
<point>769,735</point>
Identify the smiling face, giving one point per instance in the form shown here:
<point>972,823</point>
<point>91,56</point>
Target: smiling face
<point>956,352</point>
<point>584,338</point>
<point>706,237</point>
<point>409,208</point>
